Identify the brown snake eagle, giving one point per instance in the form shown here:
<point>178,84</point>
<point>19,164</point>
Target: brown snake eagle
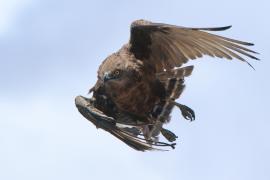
<point>138,85</point>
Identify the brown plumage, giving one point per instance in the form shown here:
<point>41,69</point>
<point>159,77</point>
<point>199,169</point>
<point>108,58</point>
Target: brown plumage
<point>138,85</point>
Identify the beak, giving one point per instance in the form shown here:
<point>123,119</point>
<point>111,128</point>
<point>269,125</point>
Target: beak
<point>107,76</point>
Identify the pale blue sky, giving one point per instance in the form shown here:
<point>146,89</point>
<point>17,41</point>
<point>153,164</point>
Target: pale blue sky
<point>49,53</point>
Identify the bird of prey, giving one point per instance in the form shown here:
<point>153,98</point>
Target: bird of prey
<point>137,87</point>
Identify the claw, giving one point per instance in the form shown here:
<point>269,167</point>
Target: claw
<point>170,136</point>
<point>187,112</point>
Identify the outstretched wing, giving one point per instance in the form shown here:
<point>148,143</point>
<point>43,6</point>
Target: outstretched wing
<point>166,46</point>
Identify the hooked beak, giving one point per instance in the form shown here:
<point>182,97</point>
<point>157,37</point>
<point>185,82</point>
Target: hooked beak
<point>107,77</point>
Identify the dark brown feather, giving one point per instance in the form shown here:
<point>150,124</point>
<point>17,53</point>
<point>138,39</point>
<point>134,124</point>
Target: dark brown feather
<point>167,46</point>
<point>139,84</point>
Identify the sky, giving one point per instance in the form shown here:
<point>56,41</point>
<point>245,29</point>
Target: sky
<point>49,53</point>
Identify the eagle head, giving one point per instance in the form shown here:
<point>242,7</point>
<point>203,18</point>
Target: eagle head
<point>117,75</point>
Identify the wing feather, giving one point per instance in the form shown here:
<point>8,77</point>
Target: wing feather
<point>167,46</point>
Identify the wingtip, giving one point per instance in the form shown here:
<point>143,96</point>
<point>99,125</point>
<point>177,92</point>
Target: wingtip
<point>215,28</point>
<point>254,57</point>
<point>226,27</point>
<point>258,59</point>
<point>249,44</point>
<point>250,66</point>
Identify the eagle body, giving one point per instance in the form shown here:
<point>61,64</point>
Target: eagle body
<point>139,84</point>
<point>138,91</point>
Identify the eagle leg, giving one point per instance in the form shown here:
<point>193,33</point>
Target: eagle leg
<point>187,112</point>
<point>152,131</point>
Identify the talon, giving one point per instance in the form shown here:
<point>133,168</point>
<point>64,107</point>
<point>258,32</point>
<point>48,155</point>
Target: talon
<point>170,136</point>
<point>187,112</point>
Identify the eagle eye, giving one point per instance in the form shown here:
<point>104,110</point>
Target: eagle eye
<point>116,73</point>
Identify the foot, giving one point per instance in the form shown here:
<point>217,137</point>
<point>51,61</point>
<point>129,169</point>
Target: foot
<point>170,136</point>
<point>187,112</point>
